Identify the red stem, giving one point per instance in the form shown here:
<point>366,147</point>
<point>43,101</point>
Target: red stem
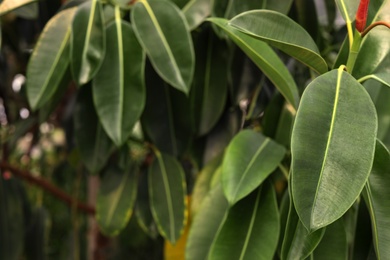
<point>48,187</point>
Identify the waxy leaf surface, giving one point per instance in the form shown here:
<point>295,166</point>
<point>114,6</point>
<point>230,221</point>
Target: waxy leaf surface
<point>163,33</point>
<point>87,42</point>
<point>116,198</point>
<point>118,88</point>
<point>377,196</point>
<point>251,229</point>
<point>11,5</point>
<point>196,11</point>
<point>167,191</point>
<point>49,60</point>
<point>283,33</point>
<point>249,159</point>
<point>265,58</point>
<point>333,143</point>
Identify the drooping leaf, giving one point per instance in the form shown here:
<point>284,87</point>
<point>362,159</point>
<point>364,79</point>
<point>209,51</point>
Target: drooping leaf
<point>249,159</point>
<point>116,198</point>
<point>7,6</point>
<point>87,41</point>
<point>167,191</point>
<point>377,195</point>
<point>265,58</point>
<point>49,60</point>
<point>29,11</point>
<point>93,143</point>
<point>207,224</point>
<point>163,33</point>
<point>251,229</point>
<point>209,90</point>
<point>283,33</point>
<point>12,227</point>
<point>333,142</point>
<point>334,243</point>
<point>348,9</point>
<point>168,128</point>
<point>196,11</point>
<point>118,88</point>
<point>203,184</point>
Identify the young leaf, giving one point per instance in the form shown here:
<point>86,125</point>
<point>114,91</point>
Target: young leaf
<point>196,11</point>
<point>266,59</point>
<point>10,5</point>
<point>163,33</point>
<point>249,159</point>
<point>94,145</point>
<point>209,90</point>
<point>283,33</point>
<point>251,229</point>
<point>118,88</point>
<point>332,147</point>
<point>167,191</point>
<point>207,224</point>
<point>116,199</point>
<point>87,41</point>
<point>49,60</point>
<point>377,195</point>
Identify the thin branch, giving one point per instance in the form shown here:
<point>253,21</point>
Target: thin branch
<point>369,28</point>
<point>48,187</point>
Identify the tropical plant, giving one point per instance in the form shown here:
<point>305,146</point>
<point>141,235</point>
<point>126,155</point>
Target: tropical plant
<point>223,129</point>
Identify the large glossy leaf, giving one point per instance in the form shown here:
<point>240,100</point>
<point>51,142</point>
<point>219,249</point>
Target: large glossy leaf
<point>93,143</point>
<point>377,196</point>
<point>249,159</point>
<point>207,224</point>
<point>168,128</point>
<point>265,58</point>
<point>11,219</point>
<point>209,90</point>
<point>251,229</point>
<point>163,32</point>
<point>348,9</point>
<point>373,60</point>
<point>167,191</point>
<point>49,60</point>
<point>29,11</point>
<point>116,198</point>
<point>283,33</point>
<point>118,88</point>
<point>10,5</point>
<point>333,142</point>
<point>334,243</point>
<point>298,243</point>
<point>196,11</point>
<point>87,41</point>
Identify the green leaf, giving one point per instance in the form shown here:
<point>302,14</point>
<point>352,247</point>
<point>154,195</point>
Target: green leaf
<point>298,243</point>
<point>11,219</point>
<point>283,33</point>
<point>348,9</point>
<point>93,143</point>
<point>332,147</point>
<point>10,5</point>
<point>180,3</point>
<point>373,60</point>
<point>251,229</point>
<point>203,184</point>
<point>118,88</point>
<point>167,191</point>
<point>196,11</point>
<point>29,11</point>
<point>87,41</point>
<point>334,243</point>
<point>207,224</point>
<point>163,33</point>
<point>36,238</point>
<point>116,198</point>
<point>266,59</point>
<point>209,90</point>
<point>249,159</point>
<point>377,195</point>
<point>49,60</point>
<point>168,128</point>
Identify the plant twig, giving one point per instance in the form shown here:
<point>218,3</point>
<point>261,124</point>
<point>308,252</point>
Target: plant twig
<point>48,187</point>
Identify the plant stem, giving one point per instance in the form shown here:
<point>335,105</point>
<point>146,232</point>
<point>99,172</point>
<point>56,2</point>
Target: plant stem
<point>371,26</point>
<point>354,51</point>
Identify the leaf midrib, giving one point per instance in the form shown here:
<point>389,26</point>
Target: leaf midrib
<point>118,22</point>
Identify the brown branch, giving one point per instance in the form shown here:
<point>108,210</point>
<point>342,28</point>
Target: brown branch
<point>48,187</point>
<point>369,28</point>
